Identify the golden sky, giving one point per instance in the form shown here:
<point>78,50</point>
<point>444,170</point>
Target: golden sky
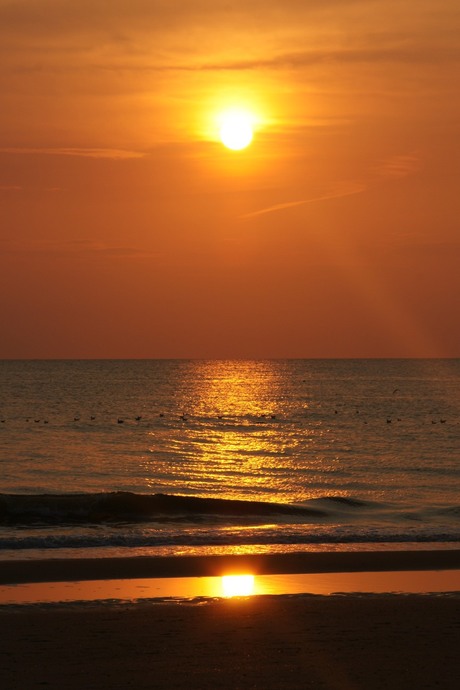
<point>128,230</point>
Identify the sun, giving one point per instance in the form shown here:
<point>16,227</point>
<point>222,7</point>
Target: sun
<point>236,129</point>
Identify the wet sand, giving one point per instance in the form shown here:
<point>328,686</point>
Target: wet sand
<point>352,642</point>
<point>60,570</point>
<point>369,642</point>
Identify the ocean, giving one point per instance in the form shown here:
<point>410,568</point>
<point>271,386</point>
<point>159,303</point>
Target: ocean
<point>161,457</point>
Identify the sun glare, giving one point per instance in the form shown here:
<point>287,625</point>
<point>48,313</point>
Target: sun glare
<point>236,129</point>
<point>237,585</point>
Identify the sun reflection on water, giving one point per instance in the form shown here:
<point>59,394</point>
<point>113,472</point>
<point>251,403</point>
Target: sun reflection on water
<point>245,389</point>
<point>232,431</point>
<point>232,438</point>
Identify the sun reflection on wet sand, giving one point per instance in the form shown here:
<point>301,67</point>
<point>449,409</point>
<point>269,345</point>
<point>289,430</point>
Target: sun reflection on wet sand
<point>190,588</point>
<point>238,585</point>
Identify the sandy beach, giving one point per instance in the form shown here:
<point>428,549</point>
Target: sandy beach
<point>351,642</point>
<point>357,642</point>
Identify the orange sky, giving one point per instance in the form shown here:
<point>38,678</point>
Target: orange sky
<point>128,230</point>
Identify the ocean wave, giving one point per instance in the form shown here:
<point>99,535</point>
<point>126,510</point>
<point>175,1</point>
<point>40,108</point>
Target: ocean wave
<point>347,501</point>
<point>449,511</point>
<point>207,538</point>
<point>125,506</point>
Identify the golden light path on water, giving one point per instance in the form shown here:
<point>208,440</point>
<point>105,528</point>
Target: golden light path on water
<point>235,436</point>
<point>235,455</point>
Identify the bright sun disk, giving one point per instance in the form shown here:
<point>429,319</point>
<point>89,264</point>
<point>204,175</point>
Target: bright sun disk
<point>236,130</point>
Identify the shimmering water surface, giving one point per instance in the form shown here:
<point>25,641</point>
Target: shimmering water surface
<point>354,452</point>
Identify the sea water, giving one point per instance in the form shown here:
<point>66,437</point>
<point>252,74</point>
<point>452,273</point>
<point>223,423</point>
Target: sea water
<point>194,456</point>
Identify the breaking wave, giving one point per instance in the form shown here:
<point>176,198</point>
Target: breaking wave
<point>97,508</point>
<point>131,520</point>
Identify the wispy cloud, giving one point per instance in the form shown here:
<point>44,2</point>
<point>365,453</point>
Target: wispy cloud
<point>345,189</point>
<point>300,60</point>
<point>399,165</point>
<point>117,154</point>
<point>163,35</point>
<point>119,17</point>
<point>396,52</point>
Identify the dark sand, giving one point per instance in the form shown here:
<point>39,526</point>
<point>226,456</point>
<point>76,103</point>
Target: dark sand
<point>353,642</point>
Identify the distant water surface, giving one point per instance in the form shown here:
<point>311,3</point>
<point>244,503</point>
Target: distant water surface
<point>267,455</point>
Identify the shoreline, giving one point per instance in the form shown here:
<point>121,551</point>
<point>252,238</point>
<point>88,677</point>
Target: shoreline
<point>65,570</point>
<point>322,642</point>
